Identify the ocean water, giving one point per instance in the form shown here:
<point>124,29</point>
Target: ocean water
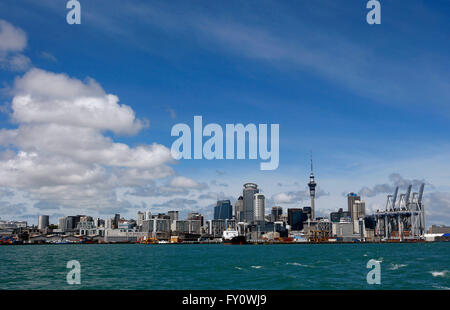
<point>197,266</point>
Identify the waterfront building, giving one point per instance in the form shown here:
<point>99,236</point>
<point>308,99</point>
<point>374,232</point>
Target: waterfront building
<point>158,227</point>
<point>148,215</point>
<point>13,224</point>
<point>116,235</point>
<point>249,191</point>
<point>258,208</point>
<point>68,223</point>
<point>441,229</point>
<point>216,228</point>
<point>88,228</point>
<point>223,210</point>
<point>125,225</point>
<point>180,226</point>
<point>43,221</point>
<point>194,226</point>
<point>343,229</point>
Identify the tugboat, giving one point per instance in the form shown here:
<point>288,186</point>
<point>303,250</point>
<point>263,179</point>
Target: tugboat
<point>232,237</point>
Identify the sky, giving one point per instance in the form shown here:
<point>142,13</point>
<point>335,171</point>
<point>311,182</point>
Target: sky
<point>86,111</point>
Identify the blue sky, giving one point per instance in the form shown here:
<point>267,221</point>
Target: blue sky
<point>369,100</point>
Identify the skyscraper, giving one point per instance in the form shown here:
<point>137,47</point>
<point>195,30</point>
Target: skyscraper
<point>312,191</point>
<point>296,217</point>
<point>258,207</point>
<point>357,209</point>
<point>173,215</point>
<point>276,213</point>
<point>43,221</point>
<point>223,210</point>
<point>250,189</point>
<point>140,218</point>
<point>239,209</point>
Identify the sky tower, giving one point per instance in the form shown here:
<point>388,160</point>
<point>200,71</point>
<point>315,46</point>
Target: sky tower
<point>312,190</point>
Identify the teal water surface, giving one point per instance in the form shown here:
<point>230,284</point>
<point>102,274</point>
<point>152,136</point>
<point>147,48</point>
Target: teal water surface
<point>306,266</point>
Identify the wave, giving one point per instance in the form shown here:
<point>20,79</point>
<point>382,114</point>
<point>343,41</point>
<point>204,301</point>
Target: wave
<point>256,267</point>
<point>298,264</point>
<point>439,273</point>
<point>397,266</point>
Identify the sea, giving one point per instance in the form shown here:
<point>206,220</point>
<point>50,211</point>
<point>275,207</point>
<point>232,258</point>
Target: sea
<point>226,267</point>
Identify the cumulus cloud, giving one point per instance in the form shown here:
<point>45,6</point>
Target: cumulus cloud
<point>178,185</point>
<point>437,208</point>
<point>176,204</point>
<point>292,197</point>
<point>13,41</point>
<point>395,180</point>
<point>59,152</point>
<point>43,97</point>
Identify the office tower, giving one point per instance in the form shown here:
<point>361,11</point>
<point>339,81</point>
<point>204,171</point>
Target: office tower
<point>296,217</point>
<point>196,216</point>
<point>223,210</point>
<point>116,221</point>
<point>258,207</point>
<point>140,218</point>
<point>351,198</point>
<point>357,209</point>
<point>173,215</point>
<point>340,214</point>
<point>62,224</point>
<point>43,221</point>
<point>239,209</point>
<point>312,191</point>
<point>250,189</point>
<point>276,213</point>
<point>148,215</point>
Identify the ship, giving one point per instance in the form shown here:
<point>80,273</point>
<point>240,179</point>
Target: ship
<point>233,237</point>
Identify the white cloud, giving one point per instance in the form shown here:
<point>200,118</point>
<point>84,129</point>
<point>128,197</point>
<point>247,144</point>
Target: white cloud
<point>46,97</point>
<point>13,41</point>
<point>59,152</point>
<point>184,182</point>
<point>292,197</point>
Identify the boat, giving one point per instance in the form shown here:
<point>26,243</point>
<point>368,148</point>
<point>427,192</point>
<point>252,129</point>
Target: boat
<point>233,237</point>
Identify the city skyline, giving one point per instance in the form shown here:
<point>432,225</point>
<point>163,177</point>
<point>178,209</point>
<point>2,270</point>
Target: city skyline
<point>372,120</point>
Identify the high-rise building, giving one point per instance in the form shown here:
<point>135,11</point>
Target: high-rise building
<point>173,215</point>
<point>276,213</point>
<point>340,214</point>
<point>223,210</point>
<point>250,189</point>
<point>116,221</point>
<point>196,216</point>
<point>296,217</point>
<point>140,218</point>
<point>43,221</point>
<point>357,209</point>
<point>258,207</point>
<point>239,209</point>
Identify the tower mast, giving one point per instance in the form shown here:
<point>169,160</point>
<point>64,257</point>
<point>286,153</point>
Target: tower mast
<point>312,191</point>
